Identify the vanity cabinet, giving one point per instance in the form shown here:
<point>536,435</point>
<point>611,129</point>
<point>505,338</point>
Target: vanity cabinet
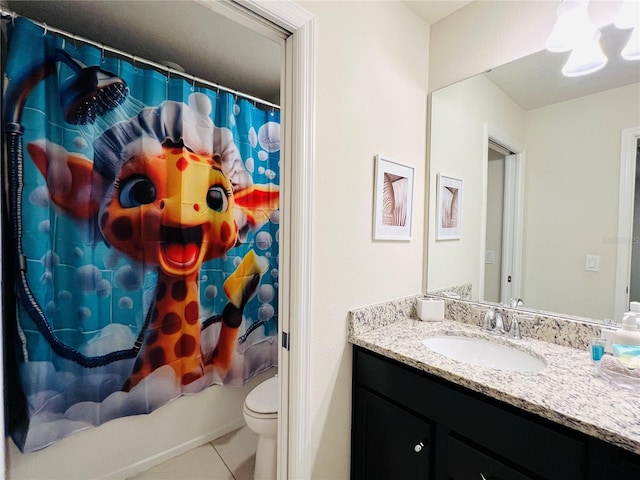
<point>407,424</point>
<point>393,442</point>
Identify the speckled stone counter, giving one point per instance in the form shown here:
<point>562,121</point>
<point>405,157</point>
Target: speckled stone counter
<point>567,391</point>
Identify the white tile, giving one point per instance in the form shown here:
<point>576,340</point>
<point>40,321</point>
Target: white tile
<point>200,463</point>
<point>238,450</point>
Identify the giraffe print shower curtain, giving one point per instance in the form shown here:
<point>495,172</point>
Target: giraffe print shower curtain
<point>141,237</point>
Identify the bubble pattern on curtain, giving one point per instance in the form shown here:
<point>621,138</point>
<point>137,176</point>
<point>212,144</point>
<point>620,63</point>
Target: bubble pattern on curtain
<point>149,224</point>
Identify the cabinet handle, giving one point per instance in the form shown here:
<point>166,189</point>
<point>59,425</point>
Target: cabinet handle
<point>418,447</point>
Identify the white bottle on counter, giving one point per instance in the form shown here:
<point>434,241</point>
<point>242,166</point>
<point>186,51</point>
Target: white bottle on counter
<point>628,334</point>
<point>634,309</point>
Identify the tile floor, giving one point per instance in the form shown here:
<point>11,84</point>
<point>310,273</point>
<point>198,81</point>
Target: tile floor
<point>231,457</point>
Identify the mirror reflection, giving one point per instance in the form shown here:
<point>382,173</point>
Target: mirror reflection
<point>547,165</point>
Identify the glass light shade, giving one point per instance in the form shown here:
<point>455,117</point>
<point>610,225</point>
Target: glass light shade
<point>586,58</point>
<point>631,50</point>
<point>572,27</point>
<point>629,15</point>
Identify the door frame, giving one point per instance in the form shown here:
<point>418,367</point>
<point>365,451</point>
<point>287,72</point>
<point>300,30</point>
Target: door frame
<point>297,93</point>
<point>513,213</point>
<point>628,152</point>
<point>290,23</point>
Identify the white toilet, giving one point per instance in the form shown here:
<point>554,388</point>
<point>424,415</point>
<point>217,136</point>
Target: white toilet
<point>261,415</point>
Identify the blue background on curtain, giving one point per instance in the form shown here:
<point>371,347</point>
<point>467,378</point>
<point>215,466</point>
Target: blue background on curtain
<point>95,297</point>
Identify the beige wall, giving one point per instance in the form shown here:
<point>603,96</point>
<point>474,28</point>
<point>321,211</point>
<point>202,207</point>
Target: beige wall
<point>458,150</point>
<point>371,98</point>
<point>572,181</point>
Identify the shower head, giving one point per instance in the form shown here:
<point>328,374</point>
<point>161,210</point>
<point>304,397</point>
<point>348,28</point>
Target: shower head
<point>90,93</point>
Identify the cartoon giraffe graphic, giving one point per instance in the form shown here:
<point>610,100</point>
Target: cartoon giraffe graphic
<point>175,196</point>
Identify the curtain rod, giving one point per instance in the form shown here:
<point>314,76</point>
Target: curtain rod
<point>4,13</point>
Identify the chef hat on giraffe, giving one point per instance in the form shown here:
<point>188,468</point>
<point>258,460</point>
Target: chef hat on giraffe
<point>176,122</point>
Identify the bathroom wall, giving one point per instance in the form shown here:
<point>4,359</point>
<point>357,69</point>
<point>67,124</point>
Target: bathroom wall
<point>371,98</point>
<point>457,151</point>
<point>585,179</point>
<point>371,72</point>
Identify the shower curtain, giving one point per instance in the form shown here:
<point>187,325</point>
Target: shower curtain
<point>143,254</point>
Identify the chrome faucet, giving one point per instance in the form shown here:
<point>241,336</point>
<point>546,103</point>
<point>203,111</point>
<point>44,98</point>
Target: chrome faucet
<point>516,302</point>
<point>494,323</point>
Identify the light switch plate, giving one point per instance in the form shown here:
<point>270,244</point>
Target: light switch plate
<point>490,256</point>
<point>592,263</point>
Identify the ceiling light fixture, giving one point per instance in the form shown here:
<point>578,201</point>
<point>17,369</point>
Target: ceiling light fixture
<point>585,58</point>
<point>572,27</point>
<point>629,17</point>
<point>631,51</point>
<point>574,31</point>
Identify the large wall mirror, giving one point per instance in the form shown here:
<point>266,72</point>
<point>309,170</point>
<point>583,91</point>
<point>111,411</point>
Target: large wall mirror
<point>544,211</point>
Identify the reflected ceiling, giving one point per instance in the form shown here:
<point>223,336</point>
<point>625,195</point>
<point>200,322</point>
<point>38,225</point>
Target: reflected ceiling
<point>537,81</point>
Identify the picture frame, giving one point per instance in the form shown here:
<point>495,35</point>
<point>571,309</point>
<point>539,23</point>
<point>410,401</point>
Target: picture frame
<point>449,208</point>
<point>393,199</point>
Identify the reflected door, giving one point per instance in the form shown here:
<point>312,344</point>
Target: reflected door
<point>494,230</point>
<point>634,280</point>
<point>503,236</point>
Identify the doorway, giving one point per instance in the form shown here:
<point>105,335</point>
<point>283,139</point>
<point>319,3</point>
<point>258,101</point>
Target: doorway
<point>297,99</point>
<point>634,275</point>
<point>501,249</point>
<point>627,230</point>
<point>494,231</point>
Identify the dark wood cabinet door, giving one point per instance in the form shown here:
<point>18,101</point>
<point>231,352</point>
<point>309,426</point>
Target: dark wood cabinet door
<point>388,442</point>
<point>467,463</point>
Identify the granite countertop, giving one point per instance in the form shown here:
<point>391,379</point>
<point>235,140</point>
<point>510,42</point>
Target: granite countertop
<point>567,391</point>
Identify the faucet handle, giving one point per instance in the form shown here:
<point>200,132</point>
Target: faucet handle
<point>499,324</point>
<point>489,316</point>
<point>515,329</point>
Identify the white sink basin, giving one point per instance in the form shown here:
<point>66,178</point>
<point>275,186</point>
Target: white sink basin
<point>484,353</point>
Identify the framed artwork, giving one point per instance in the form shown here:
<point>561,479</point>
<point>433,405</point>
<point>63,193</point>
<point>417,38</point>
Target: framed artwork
<point>449,208</point>
<point>393,200</point>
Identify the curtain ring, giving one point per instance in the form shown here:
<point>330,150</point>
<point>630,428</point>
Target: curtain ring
<point>102,54</point>
<point>133,60</point>
<point>193,84</point>
<point>168,74</point>
<point>45,29</point>
<point>13,18</point>
<point>75,43</point>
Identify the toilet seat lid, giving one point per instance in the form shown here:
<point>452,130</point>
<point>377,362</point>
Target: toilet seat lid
<point>264,398</point>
